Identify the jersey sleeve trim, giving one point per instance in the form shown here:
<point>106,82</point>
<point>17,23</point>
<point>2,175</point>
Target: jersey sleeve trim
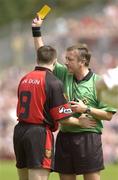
<point>61,112</point>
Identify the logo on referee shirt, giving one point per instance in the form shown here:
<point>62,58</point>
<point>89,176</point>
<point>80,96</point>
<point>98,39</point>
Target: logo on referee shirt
<point>64,110</point>
<point>85,100</point>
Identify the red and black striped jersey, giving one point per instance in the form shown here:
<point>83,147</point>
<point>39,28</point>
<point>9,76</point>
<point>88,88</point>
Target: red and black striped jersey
<point>41,99</point>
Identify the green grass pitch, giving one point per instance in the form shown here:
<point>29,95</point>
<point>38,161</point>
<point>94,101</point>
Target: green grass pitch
<point>8,171</point>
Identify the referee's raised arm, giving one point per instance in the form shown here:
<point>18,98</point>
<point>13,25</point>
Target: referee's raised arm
<point>36,32</point>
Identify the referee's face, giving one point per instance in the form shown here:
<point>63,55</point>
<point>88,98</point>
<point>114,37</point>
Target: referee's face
<point>72,62</point>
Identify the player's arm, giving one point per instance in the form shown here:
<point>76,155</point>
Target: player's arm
<point>70,121</point>
<point>60,110</point>
<point>83,121</point>
<point>99,114</point>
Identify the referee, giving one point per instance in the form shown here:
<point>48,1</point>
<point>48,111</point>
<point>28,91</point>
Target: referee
<point>79,148</point>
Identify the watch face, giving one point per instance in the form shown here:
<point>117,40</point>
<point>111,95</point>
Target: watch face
<point>88,111</point>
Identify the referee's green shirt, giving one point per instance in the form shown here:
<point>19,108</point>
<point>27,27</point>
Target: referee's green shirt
<point>84,90</point>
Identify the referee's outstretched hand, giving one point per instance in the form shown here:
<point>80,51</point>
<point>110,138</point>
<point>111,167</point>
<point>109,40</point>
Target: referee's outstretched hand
<point>37,22</point>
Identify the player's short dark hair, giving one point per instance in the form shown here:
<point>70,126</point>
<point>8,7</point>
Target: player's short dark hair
<point>84,54</point>
<point>46,54</point>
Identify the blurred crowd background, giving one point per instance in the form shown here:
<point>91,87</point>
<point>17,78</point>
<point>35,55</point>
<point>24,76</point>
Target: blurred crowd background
<point>70,22</point>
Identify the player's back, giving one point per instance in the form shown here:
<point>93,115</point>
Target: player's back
<point>33,92</point>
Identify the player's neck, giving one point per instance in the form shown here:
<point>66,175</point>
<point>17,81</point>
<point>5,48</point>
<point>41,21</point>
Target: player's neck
<point>82,73</point>
<point>48,66</point>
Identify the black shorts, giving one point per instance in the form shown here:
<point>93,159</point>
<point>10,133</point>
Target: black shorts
<point>33,146</point>
<point>78,153</point>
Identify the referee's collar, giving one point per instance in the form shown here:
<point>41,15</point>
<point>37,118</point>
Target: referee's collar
<point>85,78</point>
<point>37,68</point>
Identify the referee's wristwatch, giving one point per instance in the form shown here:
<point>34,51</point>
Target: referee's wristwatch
<point>88,110</point>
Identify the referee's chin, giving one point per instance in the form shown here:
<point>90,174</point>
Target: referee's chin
<point>70,70</point>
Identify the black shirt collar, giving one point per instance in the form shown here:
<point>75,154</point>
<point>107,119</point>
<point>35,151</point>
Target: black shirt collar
<point>86,78</point>
<point>42,68</point>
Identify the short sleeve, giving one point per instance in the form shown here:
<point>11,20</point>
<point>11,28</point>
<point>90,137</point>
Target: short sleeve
<point>58,105</point>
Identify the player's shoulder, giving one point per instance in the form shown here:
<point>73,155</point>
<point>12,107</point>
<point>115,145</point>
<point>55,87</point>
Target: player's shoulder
<point>96,76</point>
<point>52,79</point>
<point>25,76</point>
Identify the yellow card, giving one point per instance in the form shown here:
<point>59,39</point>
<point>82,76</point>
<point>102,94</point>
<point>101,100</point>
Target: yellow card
<point>44,11</point>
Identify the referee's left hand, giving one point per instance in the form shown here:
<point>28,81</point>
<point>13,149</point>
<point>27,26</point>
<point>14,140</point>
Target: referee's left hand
<point>37,22</point>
